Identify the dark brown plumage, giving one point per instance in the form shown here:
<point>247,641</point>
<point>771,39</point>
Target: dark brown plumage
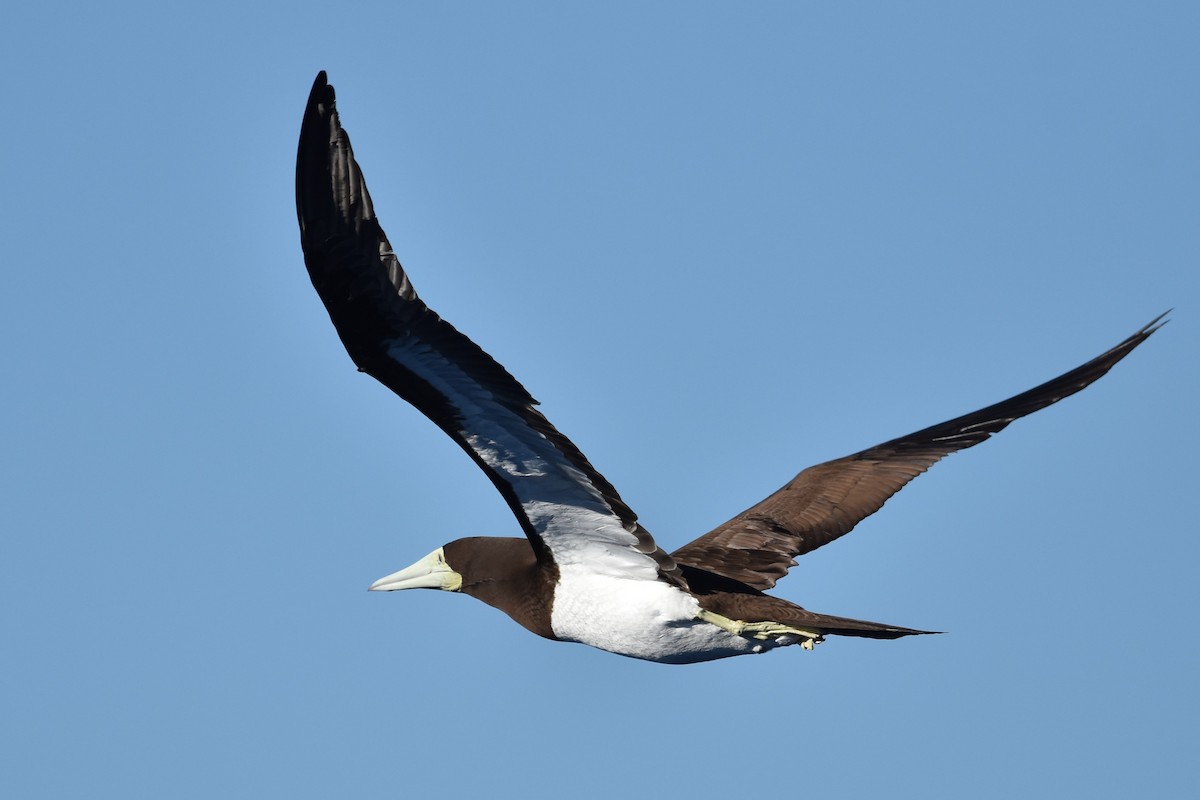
<point>504,573</point>
<point>759,545</point>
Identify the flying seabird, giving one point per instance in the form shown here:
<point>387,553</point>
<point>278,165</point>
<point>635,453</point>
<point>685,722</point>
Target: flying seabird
<point>587,571</point>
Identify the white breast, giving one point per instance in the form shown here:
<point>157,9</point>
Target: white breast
<point>645,619</point>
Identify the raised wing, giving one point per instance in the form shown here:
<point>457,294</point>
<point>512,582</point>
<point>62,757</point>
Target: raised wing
<point>565,507</point>
<point>758,546</point>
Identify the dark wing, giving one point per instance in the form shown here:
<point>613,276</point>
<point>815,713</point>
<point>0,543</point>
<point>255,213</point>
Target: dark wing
<point>565,507</point>
<point>826,501</point>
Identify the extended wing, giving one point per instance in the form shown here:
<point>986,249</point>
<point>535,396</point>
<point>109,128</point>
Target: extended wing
<point>826,501</point>
<point>563,504</point>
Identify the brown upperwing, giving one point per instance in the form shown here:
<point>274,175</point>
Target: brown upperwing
<point>827,500</point>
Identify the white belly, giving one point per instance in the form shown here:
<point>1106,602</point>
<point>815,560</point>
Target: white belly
<point>639,618</point>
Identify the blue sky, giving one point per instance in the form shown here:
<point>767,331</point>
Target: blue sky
<point>720,242</point>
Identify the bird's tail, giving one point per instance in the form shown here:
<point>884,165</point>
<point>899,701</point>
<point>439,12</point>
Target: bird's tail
<point>844,626</point>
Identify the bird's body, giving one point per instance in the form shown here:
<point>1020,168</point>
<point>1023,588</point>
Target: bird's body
<point>647,619</point>
<point>587,571</point>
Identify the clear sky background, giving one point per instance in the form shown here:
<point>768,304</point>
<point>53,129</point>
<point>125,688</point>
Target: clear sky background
<point>720,242</point>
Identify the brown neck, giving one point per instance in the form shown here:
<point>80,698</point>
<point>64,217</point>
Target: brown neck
<point>505,574</point>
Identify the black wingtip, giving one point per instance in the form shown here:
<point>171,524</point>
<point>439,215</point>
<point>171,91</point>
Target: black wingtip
<point>321,93</point>
<point>317,129</point>
<point>1156,323</point>
<point>1126,347</point>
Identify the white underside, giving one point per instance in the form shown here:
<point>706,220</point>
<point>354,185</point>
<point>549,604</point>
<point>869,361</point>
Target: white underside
<point>642,619</point>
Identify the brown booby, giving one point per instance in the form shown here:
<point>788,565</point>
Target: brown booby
<point>587,571</point>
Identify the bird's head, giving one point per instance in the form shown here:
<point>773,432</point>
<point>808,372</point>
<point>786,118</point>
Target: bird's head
<point>463,565</point>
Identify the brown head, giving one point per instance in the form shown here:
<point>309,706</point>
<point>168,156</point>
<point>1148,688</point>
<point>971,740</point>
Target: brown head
<point>502,572</point>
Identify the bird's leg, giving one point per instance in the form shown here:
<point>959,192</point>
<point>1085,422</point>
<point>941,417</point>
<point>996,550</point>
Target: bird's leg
<point>762,631</point>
